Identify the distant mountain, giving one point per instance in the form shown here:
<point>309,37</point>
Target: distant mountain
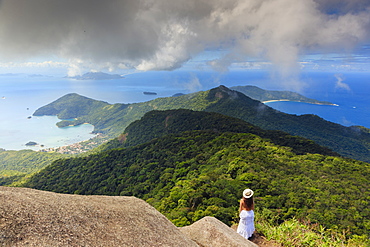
<point>187,175</point>
<point>71,106</point>
<point>269,95</point>
<point>96,76</point>
<point>112,120</point>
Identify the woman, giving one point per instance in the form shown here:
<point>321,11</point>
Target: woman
<point>246,223</point>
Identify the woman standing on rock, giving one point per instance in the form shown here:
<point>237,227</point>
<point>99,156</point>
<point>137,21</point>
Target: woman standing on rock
<point>246,223</point>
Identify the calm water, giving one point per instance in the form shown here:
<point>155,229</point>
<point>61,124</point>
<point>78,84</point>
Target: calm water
<point>21,95</point>
<point>353,98</point>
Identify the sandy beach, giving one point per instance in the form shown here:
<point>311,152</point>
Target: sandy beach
<point>275,100</point>
<point>278,100</point>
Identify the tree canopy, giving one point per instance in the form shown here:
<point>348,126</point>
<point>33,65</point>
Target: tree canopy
<point>195,173</point>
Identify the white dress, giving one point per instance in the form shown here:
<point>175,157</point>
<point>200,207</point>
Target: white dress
<point>246,223</point>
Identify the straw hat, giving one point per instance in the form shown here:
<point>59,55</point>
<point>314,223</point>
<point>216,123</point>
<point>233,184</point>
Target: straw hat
<point>247,193</point>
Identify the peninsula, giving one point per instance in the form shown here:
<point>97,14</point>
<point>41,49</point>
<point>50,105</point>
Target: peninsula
<point>268,96</point>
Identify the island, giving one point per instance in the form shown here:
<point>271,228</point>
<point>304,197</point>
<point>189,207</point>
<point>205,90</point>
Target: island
<point>96,76</point>
<point>150,93</point>
<point>31,143</point>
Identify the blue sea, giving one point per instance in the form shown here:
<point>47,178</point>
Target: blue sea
<point>22,94</point>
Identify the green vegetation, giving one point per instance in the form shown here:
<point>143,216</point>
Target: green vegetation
<point>111,120</point>
<point>71,106</point>
<point>293,233</point>
<point>16,164</point>
<point>266,95</point>
<point>156,124</point>
<point>192,174</point>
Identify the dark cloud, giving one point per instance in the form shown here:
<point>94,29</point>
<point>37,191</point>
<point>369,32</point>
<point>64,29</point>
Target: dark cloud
<point>163,34</point>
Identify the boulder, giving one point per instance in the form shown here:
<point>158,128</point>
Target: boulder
<point>211,232</point>
<point>31,217</point>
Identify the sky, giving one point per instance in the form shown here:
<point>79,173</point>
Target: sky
<point>144,35</point>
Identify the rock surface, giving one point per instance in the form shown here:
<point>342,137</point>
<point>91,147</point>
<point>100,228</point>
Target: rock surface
<point>37,218</point>
<point>209,231</point>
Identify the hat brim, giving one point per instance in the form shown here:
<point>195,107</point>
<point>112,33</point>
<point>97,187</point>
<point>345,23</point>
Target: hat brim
<point>249,195</point>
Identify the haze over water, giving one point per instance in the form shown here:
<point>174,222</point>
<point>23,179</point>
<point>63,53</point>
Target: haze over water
<point>21,95</point>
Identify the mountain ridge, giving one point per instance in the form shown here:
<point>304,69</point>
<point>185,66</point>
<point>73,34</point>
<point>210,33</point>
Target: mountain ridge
<point>352,142</point>
<point>155,124</point>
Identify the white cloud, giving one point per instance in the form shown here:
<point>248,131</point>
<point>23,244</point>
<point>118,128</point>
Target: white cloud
<point>172,51</point>
<point>45,64</point>
<point>164,34</point>
<point>339,84</point>
<point>193,85</point>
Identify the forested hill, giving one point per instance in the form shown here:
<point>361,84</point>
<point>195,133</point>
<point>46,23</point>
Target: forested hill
<point>198,173</point>
<point>266,95</point>
<point>71,106</point>
<point>112,120</point>
<point>156,124</point>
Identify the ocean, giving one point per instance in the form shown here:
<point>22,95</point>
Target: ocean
<point>22,94</point>
<point>350,93</point>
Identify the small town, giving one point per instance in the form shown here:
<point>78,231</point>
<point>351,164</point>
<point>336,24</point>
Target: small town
<point>78,147</point>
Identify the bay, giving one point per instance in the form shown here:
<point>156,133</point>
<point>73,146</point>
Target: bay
<point>21,95</point>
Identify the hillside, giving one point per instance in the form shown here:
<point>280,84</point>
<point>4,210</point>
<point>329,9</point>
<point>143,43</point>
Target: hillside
<point>111,120</point>
<point>156,124</point>
<point>193,174</point>
<point>15,164</point>
<point>267,95</point>
<point>71,106</point>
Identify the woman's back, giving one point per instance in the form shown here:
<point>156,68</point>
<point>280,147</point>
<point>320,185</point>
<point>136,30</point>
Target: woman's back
<point>246,223</point>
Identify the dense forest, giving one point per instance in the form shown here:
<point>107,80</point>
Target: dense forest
<point>16,164</point>
<point>190,174</point>
<point>156,124</point>
<point>112,120</point>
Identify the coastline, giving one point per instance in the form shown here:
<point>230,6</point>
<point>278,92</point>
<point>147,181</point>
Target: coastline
<point>275,100</point>
<point>43,131</point>
<point>282,100</point>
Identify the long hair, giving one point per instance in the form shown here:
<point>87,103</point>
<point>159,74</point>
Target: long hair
<point>247,204</point>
